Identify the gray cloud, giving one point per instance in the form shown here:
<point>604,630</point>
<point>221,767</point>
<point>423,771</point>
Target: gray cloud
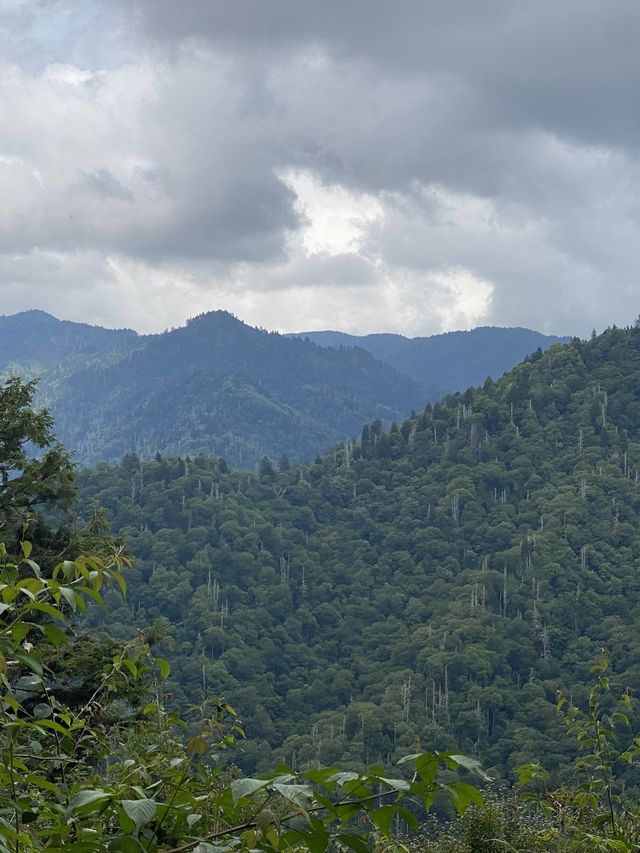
<point>452,163</point>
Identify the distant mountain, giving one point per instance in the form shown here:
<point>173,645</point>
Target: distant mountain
<point>452,361</point>
<point>220,387</point>
<point>216,386</point>
<point>33,341</point>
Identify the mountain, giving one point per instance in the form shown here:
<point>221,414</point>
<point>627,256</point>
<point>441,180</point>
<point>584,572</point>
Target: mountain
<point>452,361</point>
<point>435,584</point>
<point>220,387</point>
<point>216,386</point>
<point>34,342</point>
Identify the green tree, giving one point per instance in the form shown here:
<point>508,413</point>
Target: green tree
<point>37,481</point>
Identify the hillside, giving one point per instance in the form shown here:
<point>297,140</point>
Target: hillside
<point>220,387</point>
<point>435,584</point>
<point>452,361</point>
<point>223,388</point>
<point>33,343</point>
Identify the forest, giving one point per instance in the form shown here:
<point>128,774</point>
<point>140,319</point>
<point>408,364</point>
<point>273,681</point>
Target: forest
<point>446,578</point>
<point>463,583</point>
<point>236,391</point>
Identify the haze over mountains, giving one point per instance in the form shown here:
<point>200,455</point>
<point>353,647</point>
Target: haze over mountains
<point>454,360</point>
<point>220,387</point>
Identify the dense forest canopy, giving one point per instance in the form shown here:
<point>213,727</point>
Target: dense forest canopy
<point>438,582</point>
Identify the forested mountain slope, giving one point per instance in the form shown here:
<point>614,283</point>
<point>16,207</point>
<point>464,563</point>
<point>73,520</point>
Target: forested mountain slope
<point>33,343</point>
<point>224,388</point>
<point>218,386</point>
<point>436,584</point>
<point>454,360</point>
<point>215,386</point>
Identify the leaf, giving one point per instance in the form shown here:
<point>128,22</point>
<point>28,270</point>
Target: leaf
<point>196,745</point>
<point>163,666</point>
<point>29,661</point>
<point>54,635</point>
<point>463,795</point>
<point>299,795</point>
<point>130,665</point>
<point>42,710</point>
<point>20,630</point>
<point>140,811</point>
<point>246,787</point>
<point>25,547</point>
<point>397,784</point>
<point>43,607</point>
<point>427,766</point>
<point>88,800</point>
<point>44,784</point>
<point>340,778</point>
<point>383,819</point>
<point>124,844</point>
<point>469,764</point>
<point>354,842</point>
<point>70,597</point>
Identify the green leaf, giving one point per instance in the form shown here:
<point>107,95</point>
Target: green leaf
<point>43,607</point>
<point>140,811</point>
<point>163,666</point>
<point>29,661</point>
<point>463,795</point>
<point>383,819</point>
<point>124,844</point>
<point>25,548</point>
<point>54,635</point>
<point>70,597</point>
<point>354,842</point>
<point>469,764</point>
<point>397,784</point>
<point>299,795</point>
<point>130,665</point>
<point>20,630</point>
<point>341,778</point>
<point>427,766</point>
<point>246,787</point>
<point>88,800</point>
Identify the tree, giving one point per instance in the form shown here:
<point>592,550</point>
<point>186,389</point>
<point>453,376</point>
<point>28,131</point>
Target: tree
<point>283,463</point>
<point>70,778</point>
<point>37,480</point>
<point>265,471</point>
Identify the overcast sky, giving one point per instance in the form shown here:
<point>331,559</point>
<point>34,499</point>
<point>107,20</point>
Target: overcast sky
<point>364,165</point>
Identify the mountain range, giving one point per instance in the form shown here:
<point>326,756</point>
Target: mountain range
<point>220,387</point>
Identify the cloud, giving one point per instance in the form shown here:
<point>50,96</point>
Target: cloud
<point>353,164</point>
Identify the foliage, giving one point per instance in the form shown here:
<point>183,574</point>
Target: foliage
<point>68,780</point>
<point>35,490</point>
<point>595,811</point>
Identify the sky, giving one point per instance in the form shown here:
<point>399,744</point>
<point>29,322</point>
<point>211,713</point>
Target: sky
<point>360,165</point>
